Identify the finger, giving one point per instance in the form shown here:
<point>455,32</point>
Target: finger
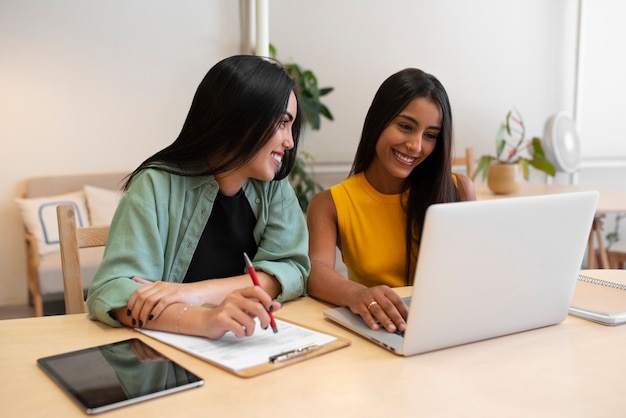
<point>256,292</point>
<point>147,298</point>
<point>393,320</point>
<point>382,310</point>
<point>364,311</point>
<point>132,301</point>
<point>241,324</point>
<point>237,312</point>
<point>157,299</point>
<point>388,312</point>
<point>398,302</point>
<point>399,312</point>
<point>140,280</point>
<point>382,318</point>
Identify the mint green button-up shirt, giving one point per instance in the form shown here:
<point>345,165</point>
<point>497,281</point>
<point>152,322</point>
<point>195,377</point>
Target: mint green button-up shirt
<point>158,224</point>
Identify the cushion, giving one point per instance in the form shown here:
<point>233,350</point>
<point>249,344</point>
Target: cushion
<point>40,217</point>
<point>51,275</point>
<point>101,204</point>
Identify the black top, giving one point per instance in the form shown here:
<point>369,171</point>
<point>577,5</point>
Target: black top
<point>227,235</point>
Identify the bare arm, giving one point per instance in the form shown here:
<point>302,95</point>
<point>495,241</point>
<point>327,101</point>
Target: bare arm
<point>235,313</point>
<point>466,187</point>
<point>150,301</point>
<point>327,284</point>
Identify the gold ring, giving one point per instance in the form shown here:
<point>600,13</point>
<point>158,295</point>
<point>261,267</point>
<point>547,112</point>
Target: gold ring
<point>372,303</point>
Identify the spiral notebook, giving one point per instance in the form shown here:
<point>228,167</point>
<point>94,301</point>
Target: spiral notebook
<point>600,296</point>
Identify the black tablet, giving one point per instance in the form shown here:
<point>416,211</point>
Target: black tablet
<point>118,374</point>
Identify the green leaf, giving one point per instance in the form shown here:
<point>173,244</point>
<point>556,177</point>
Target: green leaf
<point>312,110</point>
<point>302,182</point>
<point>500,147</point>
<point>324,91</point>
<point>483,166</point>
<point>508,122</point>
<point>537,147</point>
<point>518,147</point>
<point>326,113</point>
<point>540,162</point>
<point>525,171</point>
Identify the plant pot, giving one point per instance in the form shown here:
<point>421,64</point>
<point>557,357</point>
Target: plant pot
<point>504,178</point>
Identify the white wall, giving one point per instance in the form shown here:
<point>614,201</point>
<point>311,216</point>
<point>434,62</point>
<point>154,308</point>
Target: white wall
<point>95,86</point>
<point>99,85</point>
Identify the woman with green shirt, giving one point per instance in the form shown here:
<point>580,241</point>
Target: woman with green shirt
<point>174,255</point>
<point>403,164</point>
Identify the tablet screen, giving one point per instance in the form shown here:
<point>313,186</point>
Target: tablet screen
<point>118,374</point>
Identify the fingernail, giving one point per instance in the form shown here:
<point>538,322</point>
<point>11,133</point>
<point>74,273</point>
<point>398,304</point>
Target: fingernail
<point>266,327</point>
<point>140,323</point>
<point>271,308</point>
<point>133,322</point>
<point>151,317</point>
<point>128,312</point>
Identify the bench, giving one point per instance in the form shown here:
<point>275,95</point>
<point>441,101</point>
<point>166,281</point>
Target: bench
<point>39,201</point>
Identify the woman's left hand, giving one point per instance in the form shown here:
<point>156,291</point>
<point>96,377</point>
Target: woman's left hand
<point>147,302</point>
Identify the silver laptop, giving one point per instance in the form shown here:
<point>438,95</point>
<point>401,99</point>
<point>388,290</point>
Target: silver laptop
<point>489,268</point>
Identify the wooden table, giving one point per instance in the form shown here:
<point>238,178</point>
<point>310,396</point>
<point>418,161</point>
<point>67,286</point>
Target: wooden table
<point>610,201</point>
<point>569,370</point>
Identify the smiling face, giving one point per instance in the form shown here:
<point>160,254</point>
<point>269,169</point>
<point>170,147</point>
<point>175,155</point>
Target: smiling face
<point>264,164</point>
<point>407,141</point>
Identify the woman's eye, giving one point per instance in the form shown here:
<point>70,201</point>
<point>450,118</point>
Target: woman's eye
<point>405,126</point>
<point>432,136</point>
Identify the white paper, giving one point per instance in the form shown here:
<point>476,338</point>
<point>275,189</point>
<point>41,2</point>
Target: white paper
<point>243,353</point>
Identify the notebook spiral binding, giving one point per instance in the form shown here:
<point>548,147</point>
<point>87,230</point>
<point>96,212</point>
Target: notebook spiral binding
<point>601,282</point>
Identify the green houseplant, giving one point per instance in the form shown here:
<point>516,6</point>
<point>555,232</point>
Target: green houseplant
<point>312,109</point>
<point>512,147</point>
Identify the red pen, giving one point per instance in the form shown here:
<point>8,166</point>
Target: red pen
<point>255,280</point>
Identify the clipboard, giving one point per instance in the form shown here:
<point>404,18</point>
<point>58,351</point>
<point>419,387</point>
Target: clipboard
<point>259,353</point>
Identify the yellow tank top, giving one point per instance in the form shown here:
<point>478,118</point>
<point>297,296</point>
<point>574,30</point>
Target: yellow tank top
<point>372,232</point>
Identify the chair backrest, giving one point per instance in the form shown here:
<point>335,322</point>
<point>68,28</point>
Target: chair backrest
<point>71,238</point>
<point>467,160</point>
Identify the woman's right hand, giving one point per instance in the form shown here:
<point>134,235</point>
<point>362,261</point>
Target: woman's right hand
<point>237,311</point>
<point>380,306</point>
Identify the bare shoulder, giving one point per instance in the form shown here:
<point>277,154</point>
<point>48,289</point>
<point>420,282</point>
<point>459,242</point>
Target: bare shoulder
<point>466,187</point>
<point>322,204</point>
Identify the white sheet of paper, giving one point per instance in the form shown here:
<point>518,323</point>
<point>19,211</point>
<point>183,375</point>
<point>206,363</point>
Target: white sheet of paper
<point>243,353</point>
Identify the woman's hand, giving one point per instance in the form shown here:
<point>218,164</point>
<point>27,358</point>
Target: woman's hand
<point>147,302</point>
<point>238,310</point>
<point>379,305</point>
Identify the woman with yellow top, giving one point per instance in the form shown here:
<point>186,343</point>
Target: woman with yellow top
<point>403,164</point>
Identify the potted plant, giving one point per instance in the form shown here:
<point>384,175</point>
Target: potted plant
<point>514,155</point>
<point>312,109</point>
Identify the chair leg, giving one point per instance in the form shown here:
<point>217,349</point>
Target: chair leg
<point>38,305</point>
<point>617,260</point>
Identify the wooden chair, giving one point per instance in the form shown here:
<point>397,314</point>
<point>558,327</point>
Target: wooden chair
<point>617,255</point>
<point>467,161</point>
<point>71,238</point>
<point>44,272</point>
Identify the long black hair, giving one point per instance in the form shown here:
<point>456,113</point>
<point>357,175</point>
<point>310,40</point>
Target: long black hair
<point>234,113</point>
<point>430,181</point>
